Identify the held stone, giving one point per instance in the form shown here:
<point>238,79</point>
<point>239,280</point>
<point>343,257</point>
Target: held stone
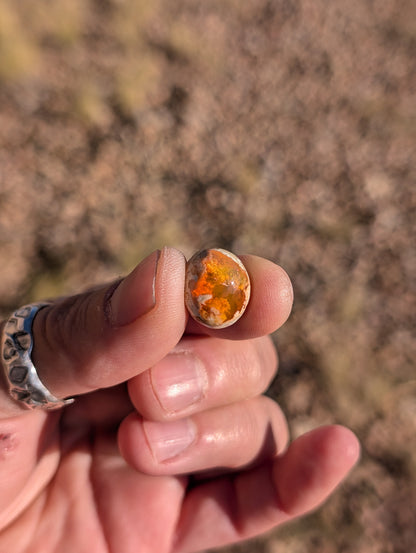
<point>217,288</point>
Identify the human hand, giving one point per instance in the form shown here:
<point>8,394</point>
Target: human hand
<point>169,446</point>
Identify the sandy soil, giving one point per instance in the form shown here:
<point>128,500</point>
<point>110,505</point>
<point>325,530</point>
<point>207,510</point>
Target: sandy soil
<point>277,127</point>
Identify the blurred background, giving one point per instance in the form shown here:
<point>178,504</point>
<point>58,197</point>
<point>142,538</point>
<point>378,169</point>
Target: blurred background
<point>281,128</point>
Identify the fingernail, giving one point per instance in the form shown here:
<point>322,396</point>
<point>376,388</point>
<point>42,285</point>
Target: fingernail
<point>135,295</point>
<point>168,439</point>
<point>178,381</point>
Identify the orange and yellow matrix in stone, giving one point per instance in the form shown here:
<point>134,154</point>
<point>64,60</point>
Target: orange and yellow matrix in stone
<point>217,288</point>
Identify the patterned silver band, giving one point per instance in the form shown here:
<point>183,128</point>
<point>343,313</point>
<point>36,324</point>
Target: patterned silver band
<point>16,349</point>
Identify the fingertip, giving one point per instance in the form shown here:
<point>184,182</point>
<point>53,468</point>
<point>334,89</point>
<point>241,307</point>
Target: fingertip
<point>277,291</point>
<point>134,295</point>
<point>269,306</point>
<point>313,466</point>
<point>150,284</point>
<point>345,440</point>
<point>170,270</point>
<point>271,297</point>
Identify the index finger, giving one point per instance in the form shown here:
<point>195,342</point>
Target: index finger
<point>269,306</point>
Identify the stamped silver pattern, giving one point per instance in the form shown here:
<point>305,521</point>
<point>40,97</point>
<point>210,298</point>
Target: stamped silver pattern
<point>21,375</point>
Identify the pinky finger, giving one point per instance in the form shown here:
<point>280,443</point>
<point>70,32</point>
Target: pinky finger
<point>313,467</point>
<point>229,510</point>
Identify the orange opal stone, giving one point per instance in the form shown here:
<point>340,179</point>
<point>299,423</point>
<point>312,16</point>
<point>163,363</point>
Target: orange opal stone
<point>217,288</point>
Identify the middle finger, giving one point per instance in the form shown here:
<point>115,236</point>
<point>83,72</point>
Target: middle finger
<point>202,373</point>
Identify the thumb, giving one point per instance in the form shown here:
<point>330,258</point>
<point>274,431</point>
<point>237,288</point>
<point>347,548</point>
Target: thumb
<point>104,337</point>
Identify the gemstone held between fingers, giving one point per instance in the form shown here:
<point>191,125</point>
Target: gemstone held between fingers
<point>217,288</point>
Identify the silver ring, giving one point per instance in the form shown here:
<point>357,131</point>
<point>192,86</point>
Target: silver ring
<point>16,349</point>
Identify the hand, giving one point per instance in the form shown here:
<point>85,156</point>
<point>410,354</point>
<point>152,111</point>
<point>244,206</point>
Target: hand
<point>169,446</point>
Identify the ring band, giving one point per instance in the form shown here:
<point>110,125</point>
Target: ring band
<point>21,375</point>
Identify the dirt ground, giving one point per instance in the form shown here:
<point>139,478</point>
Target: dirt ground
<point>281,128</point>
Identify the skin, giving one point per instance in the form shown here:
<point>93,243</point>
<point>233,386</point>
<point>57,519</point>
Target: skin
<point>96,476</point>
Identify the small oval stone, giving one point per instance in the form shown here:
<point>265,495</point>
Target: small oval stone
<point>217,288</point>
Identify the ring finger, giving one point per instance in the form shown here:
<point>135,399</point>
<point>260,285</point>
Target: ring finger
<point>228,437</point>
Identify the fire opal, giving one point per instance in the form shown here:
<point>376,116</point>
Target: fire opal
<point>217,288</point>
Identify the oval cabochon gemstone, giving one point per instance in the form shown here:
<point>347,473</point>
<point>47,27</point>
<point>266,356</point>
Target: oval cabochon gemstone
<point>217,288</point>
